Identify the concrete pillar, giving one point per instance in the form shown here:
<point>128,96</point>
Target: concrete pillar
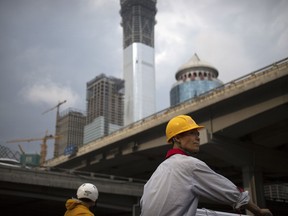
<point>253,182</point>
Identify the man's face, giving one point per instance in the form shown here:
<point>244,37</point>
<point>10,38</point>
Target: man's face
<point>190,141</point>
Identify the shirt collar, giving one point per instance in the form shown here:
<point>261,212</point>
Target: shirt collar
<point>175,151</point>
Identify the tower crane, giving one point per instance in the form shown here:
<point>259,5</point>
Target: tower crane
<point>43,152</point>
<point>57,106</point>
<point>56,144</point>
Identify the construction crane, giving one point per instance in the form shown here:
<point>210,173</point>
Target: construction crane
<point>43,152</point>
<point>57,106</point>
<point>56,144</point>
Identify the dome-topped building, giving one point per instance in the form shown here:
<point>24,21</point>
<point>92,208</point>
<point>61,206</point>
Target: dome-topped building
<point>193,78</point>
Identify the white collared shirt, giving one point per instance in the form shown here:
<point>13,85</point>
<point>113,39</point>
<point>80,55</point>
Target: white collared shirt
<point>178,182</point>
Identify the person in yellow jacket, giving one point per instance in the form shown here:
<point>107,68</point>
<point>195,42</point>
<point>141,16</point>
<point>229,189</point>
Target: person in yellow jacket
<point>87,195</point>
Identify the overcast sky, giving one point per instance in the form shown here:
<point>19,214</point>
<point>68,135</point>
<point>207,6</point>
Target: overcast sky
<point>50,49</point>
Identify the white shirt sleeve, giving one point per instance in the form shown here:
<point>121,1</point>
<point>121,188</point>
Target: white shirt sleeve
<point>215,187</point>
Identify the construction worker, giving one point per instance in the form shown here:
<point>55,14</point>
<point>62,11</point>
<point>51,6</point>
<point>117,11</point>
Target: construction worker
<point>178,182</point>
<point>87,195</point>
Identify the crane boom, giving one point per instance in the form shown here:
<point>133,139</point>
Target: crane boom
<point>34,139</point>
<point>57,106</point>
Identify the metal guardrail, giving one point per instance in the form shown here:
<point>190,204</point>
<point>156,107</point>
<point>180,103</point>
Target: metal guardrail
<point>91,174</point>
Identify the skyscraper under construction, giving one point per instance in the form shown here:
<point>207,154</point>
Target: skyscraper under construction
<point>104,107</point>
<point>138,20</point>
<point>70,126</point>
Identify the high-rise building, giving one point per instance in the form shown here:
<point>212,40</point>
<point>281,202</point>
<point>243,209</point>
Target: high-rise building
<point>70,127</point>
<point>193,78</point>
<point>105,107</point>
<point>138,20</point>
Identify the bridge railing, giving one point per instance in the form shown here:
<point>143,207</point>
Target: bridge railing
<point>92,174</point>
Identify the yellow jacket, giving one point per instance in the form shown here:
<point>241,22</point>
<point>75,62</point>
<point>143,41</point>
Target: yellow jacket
<point>75,207</point>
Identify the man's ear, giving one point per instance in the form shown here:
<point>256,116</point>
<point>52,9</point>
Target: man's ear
<point>176,139</point>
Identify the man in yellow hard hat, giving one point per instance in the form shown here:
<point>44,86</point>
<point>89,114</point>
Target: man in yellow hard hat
<point>178,182</point>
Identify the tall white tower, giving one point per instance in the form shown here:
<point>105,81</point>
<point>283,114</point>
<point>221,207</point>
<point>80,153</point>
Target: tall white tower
<point>138,20</point>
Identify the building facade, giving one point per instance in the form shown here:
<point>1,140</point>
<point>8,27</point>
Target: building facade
<point>70,127</point>
<point>138,20</point>
<point>193,78</point>
<point>105,107</point>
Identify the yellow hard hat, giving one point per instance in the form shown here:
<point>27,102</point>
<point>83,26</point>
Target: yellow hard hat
<point>180,124</point>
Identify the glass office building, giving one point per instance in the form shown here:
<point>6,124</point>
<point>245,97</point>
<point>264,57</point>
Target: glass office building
<point>193,78</point>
